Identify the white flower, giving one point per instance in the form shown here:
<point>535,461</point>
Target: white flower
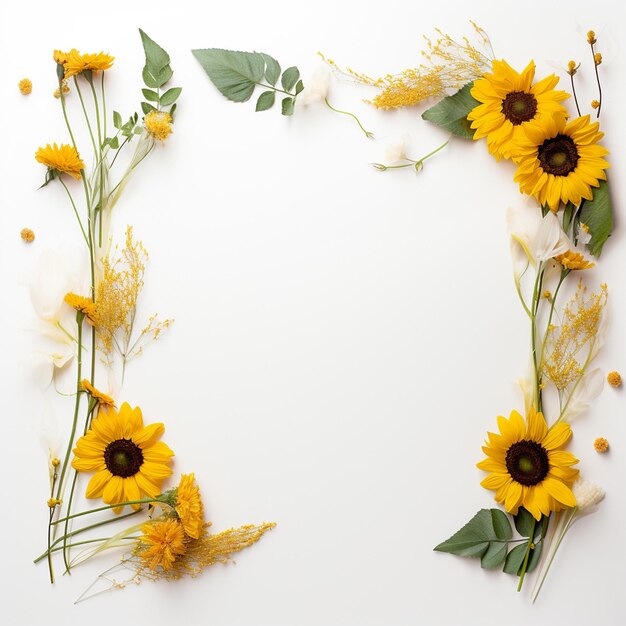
<point>316,88</point>
<point>396,150</point>
<point>588,389</point>
<point>587,495</point>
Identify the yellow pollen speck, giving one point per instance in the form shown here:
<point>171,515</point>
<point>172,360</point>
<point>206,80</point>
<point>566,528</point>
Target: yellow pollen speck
<point>601,445</point>
<point>597,58</point>
<point>25,85</point>
<point>614,379</point>
<point>27,235</point>
<point>591,37</point>
<point>547,295</point>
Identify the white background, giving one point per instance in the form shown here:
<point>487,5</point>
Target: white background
<point>343,338</point>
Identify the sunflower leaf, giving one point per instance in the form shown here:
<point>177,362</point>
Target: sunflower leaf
<point>451,112</point>
<point>501,525</point>
<point>524,522</point>
<point>597,215</point>
<point>515,559</point>
<point>494,556</point>
<point>535,555</point>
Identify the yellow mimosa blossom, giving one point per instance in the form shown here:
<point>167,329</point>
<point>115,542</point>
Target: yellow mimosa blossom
<point>614,379</point>
<point>25,86</point>
<point>27,235</point>
<point>63,159</point>
<point>601,445</point>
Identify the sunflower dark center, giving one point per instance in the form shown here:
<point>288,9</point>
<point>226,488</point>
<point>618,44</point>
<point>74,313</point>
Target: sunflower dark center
<point>558,156</point>
<point>519,106</point>
<point>527,462</point>
<point>123,457</point>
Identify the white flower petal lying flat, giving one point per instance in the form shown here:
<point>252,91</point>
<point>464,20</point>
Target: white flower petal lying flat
<point>316,88</point>
<point>587,390</point>
<point>587,495</point>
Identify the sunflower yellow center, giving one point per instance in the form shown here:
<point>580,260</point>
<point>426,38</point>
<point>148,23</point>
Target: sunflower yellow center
<point>527,462</point>
<point>558,156</point>
<point>519,106</point>
<point>123,457</point>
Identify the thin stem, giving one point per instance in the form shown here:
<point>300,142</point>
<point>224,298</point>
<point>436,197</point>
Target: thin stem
<point>533,333</point>
<point>527,555</point>
<point>593,54</point>
<point>82,104</point>
<point>571,77</point>
<point>293,95</point>
<point>332,108</point>
<point>564,273</point>
<point>67,122</point>
<point>106,508</point>
<point>100,540</point>
<point>80,223</point>
<point>104,107</point>
<point>118,150</point>
<point>417,164</point>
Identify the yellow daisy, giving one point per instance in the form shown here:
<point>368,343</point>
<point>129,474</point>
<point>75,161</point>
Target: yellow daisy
<point>560,162</point>
<point>165,541</point>
<point>85,305</point>
<point>528,467</point>
<point>75,63</point>
<point>189,506</point>
<point>571,260</point>
<point>63,158</point>
<point>103,399</point>
<point>509,102</point>
<point>126,456</point>
<point>158,124</point>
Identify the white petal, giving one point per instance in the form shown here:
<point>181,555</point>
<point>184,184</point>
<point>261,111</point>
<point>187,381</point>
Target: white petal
<point>587,390</point>
<point>396,150</point>
<point>42,367</point>
<point>550,240</point>
<point>49,285</point>
<point>316,88</point>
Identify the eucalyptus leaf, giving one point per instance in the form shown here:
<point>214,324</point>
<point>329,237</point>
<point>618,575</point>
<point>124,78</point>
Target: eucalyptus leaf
<point>117,120</point>
<point>172,111</point>
<point>234,73</point>
<point>290,78</point>
<point>597,215</point>
<point>266,101</point>
<point>151,96</point>
<point>451,112</point>
<point>170,96</point>
<point>272,68</point>
<point>287,106</point>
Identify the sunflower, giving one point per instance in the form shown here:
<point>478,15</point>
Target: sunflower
<point>561,162</point>
<point>165,541</point>
<point>125,455</point>
<point>509,102</point>
<point>63,158</point>
<point>189,506</point>
<point>528,467</point>
<point>75,63</point>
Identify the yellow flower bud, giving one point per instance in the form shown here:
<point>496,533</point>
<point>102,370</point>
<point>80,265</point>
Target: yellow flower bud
<point>572,67</point>
<point>591,37</point>
<point>601,445</point>
<point>614,379</point>
<point>595,104</point>
<point>597,57</point>
<point>25,86</point>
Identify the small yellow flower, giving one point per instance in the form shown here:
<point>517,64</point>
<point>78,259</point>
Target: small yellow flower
<point>52,502</point>
<point>189,506</point>
<point>597,58</point>
<point>595,104</point>
<point>591,37</point>
<point>547,295</point>
<point>82,304</point>
<point>601,445</point>
<point>158,124</point>
<point>614,379</point>
<point>102,398</point>
<point>574,261</point>
<point>55,462</point>
<point>62,159</point>
<point>64,87</point>
<point>25,86</point>
<point>27,235</point>
<point>59,56</point>
<point>572,68</point>
<point>165,541</point>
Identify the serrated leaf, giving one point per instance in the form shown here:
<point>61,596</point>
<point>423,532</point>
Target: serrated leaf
<point>156,57</point>
<point>597,215</point>
<point>501,525</point>
<point>117,120</point>
<point>290,78</point>
<point>234,73</point>
<point>474,538</point>
<point>146,108</point>
<point>170,96</point>
<point>266,101</point>
<point>515,559</point>
<point>494,556</point>
<point>451,112</point>
<point>287,106</point>
<point>299,87</point>
<point>272,68</point>
<point>151,96</point>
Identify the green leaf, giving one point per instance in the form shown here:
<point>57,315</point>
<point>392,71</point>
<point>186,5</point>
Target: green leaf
<point>172,111</point>
<point>451,113</point>
<point>164,75</point>
<point>151,96</point>
<point>501,525</point>
<point>290,78</point>
<point>568,214</point>
<point>597,215</point>
<point>524,522</point>
<point>535,555</point>
<point>299,87</point>
<point>170,96</point>
<point>111,141</point>
<point>234,73</point>
<point>117,120</point>
<point>476,537</point>
<point>287,106</point>
<point>266,101</point>
<point>515,559</point>
<point>272,68</point>
<point>156,71</point>
<point>146,108</point>
<point>494,556</point>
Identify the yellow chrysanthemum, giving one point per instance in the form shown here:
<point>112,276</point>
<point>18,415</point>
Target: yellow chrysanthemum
<point>63,158</point>
<point>509,103</point>
<point>574,261</point>
<point>528,467</point>
<point>103,399</point>
<point>165,541</point>
<point>85,305</point>
<point>189,506</point>
<point>560,162</point>
<point>158,124</point>
<point>126,456</point>
<point>75,63</point>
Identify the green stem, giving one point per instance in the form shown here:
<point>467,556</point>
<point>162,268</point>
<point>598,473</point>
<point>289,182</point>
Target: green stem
<point>118,150</point>
<point>67,122</point>
<point>564,273</point>
<point>80,223</point>
<point>571,76</point>
<point>87,541</point>
<point>411,162</point>
<point>533,333</point>
<point>82,104</point>
<point>352,115</point>
<point>293,95</point>
<point>593,54</point>
<point>527,555</point>
<point>108,507</point>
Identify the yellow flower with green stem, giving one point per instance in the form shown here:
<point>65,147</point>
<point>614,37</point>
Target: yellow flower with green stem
<point>63,159</point>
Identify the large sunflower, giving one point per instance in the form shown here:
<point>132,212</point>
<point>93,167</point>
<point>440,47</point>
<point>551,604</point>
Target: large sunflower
<point>509,102</point>
<point>126,456</point>
<point>528,467</point>
<point>561,162</point>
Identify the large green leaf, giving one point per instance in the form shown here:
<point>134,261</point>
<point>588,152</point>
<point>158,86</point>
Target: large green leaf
<point>156,71</point>
<point>234,73</point>
<point>485,536</point>
<point>597,215</point>
<point>451,112</point>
